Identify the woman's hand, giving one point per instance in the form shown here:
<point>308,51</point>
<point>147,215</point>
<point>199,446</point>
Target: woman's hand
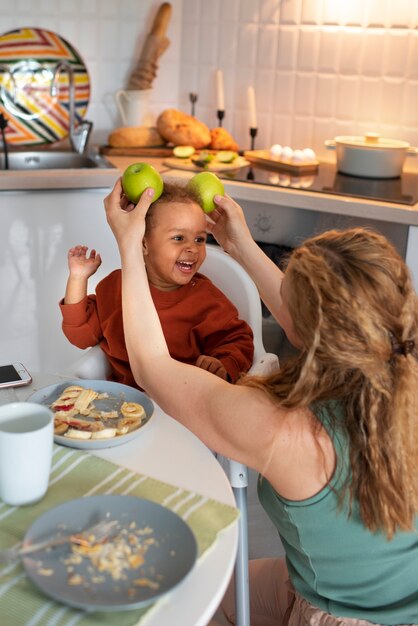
<point>126,220</point>
<point>227,224</point>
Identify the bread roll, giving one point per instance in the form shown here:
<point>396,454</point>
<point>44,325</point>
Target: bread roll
<point>182,129</point>
<point>222,140</point>
<point>135,137</point>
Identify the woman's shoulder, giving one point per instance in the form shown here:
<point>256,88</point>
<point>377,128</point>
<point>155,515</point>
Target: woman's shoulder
<point>303,458</point>
<point>271,436</point>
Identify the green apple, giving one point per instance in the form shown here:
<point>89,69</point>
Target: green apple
<point>138,177</point>
<point>205,186</point>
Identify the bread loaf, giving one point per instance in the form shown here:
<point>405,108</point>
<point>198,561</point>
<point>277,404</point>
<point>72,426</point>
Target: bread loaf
<point>182,129</point>
<point>135,137</point>
<point>222,140</point>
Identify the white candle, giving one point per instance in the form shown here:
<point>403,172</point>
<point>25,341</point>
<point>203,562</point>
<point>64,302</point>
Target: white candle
<point>251,106</point>
<point>220,102</point>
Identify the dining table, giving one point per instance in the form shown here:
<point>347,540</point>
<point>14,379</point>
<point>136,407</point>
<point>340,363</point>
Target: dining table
<point>168,452</point>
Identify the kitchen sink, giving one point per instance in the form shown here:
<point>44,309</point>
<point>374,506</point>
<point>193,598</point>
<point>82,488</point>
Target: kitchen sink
<point>54,160</point>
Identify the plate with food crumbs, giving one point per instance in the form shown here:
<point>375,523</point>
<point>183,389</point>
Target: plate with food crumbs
<point>91,414</point>
<point>150,551</point>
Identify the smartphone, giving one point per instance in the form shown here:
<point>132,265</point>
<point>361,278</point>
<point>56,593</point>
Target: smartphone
<point>14,375</point>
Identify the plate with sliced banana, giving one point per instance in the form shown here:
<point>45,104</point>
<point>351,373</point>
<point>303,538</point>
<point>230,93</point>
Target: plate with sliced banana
<point>91,414</point>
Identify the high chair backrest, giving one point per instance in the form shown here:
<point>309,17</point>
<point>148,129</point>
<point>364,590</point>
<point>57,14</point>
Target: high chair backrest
<point>228,275</point>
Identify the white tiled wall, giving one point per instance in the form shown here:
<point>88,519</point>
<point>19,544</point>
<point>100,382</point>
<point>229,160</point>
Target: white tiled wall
<point>319,67</point>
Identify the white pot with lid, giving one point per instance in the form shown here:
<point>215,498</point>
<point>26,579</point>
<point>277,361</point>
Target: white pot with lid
<point>371,156</point>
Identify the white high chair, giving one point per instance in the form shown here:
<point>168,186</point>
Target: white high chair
<point>236,284</point>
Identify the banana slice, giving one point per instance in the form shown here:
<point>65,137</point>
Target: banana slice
<point>60,427</point>
<point>132,409</point>
<point>73,433</point>
<point>106,433</point>
<point>126,424</point>
<point>123,430</point>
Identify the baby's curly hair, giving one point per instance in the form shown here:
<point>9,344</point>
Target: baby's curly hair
<point>354,308</point>
<point>171,193</point>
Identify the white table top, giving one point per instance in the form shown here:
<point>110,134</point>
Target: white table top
<point>171,453</point>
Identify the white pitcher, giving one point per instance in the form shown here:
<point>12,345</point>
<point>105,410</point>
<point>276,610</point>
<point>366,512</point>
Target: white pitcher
<point>133,105</point>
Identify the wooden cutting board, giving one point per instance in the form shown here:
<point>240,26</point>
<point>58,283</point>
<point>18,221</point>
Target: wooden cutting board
<point>263,158</point>
<point>214,166</point>
<point>151,152</point>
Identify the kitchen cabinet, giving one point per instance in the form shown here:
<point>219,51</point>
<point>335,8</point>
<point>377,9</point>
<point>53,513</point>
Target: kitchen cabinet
<point>36,230</point>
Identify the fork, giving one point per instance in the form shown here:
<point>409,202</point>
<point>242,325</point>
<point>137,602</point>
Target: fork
<point>98,533</point>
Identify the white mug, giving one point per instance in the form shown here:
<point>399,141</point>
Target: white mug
<point>133,106</point>
<point>26,442</point>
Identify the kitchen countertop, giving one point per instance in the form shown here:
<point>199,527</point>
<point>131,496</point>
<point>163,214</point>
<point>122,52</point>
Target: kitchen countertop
<point>265,194</point>
<point>315,201</point>
<point>297,198</point>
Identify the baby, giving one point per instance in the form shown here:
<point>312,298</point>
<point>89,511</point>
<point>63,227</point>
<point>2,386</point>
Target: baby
<point>201,326</point>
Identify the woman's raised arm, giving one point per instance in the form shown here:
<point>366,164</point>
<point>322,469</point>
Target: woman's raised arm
<point>229,227</point>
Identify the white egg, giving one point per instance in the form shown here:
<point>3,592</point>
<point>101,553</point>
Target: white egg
<point>306,181</point>
<point>287,154</point>
<point>298,156</point>
<point>309,154</point>
<point>276,151</point>
<point>284,180</point>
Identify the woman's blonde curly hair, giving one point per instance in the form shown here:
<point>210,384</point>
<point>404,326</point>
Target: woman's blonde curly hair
<point>354,308</point>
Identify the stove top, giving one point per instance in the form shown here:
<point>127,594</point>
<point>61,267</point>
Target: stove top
<point>402,190</point>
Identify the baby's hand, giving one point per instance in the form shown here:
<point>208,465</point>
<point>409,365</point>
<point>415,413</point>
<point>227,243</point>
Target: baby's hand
<point>80,264</point>
<point>212,365</point>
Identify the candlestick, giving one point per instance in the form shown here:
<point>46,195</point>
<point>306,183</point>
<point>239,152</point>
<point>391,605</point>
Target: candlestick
<point>220,91</point>
<point>250,173</point>
<point>253,135</point>
<point>251,107</point>
<point>193,100</point>
<point>220,115</point>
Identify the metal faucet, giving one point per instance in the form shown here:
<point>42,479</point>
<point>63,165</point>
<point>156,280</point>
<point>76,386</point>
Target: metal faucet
<point>3,120</point>
<point>78,136</point>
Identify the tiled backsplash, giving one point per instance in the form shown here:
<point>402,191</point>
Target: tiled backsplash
<point>319,67</point>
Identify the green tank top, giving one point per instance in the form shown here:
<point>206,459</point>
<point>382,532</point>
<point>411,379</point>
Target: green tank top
<point>334,562</point>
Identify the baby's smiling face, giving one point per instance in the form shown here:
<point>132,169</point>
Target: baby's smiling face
<point>175,244</point>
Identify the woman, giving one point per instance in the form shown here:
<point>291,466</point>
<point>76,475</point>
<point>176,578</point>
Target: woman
<point>333,434</point>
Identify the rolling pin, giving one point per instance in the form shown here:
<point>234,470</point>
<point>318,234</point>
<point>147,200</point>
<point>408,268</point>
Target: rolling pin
<point>155,44</point>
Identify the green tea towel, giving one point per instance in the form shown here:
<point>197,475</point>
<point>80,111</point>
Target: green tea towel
<point>75,474</point>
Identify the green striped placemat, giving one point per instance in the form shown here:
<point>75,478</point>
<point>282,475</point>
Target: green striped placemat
<point>75,474</point>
